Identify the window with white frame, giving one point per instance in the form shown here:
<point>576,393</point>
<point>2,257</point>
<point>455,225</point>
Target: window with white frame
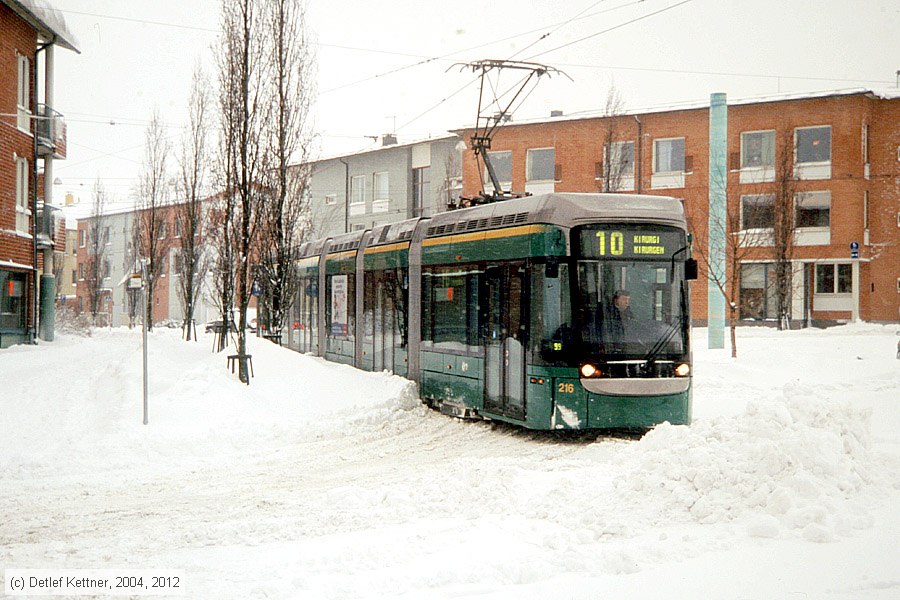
<point>757,211</point>
<point>813,209</point>
<point>358,189</point>
<point>23,93</point>
<point>421,184</point>
<point>502,163</point>
<point>618,166</point>
<point>668,155</point>
<point>834,279</point>
<point>813,144</point>
<point>382,198</point>
<point>162,230</point>
<point>540,164</point>
<point>81,238</point>
<point>812,152</point>
<point>757,149</point>
<point>382,186</point>
<point>23,212</point>
<point>357,195</point>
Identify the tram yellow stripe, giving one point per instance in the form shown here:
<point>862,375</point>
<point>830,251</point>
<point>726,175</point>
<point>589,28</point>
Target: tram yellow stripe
<point>490,234</point>
<point>387,248</point>
<point>342,255</point>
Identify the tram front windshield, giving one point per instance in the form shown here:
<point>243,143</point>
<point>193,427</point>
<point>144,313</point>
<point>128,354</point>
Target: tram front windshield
<point>632,297</point>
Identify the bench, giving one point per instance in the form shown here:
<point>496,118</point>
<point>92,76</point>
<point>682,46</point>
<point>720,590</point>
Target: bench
<point>234,358</point>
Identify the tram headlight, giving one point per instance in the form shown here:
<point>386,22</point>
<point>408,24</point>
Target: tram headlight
<point>683,370</point>
<point>589,370</point>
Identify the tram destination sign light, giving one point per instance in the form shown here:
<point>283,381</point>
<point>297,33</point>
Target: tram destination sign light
<point>630,242</point>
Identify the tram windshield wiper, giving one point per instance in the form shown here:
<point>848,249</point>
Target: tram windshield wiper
<point>664,339</point>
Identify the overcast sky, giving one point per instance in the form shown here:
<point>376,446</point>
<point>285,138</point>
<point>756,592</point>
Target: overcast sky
<point>375,76</point>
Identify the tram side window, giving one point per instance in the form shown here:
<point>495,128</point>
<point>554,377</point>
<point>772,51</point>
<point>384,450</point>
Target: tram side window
<point>553,335</point>
<point>450,309</point>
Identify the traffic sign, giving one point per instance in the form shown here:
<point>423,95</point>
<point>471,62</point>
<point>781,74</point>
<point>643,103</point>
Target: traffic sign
<point>854,249</point>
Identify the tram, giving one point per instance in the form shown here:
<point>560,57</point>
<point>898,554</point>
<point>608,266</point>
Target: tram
<point>512,310</point>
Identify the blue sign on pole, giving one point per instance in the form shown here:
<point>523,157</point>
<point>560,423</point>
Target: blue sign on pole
<point>854,249</point>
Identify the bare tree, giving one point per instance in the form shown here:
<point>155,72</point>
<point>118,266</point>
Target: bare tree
<point>618,156</point>
<point>289,142</point>
<point>745,231</point>
<point>153,210</point>
<point>96,268</point>
<point>784,229</point>
<point>191,267</point>
<point>243,111</point>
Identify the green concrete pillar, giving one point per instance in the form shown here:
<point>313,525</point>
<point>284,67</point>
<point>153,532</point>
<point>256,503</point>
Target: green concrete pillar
<point>48,307</point>
<point>718,178</point>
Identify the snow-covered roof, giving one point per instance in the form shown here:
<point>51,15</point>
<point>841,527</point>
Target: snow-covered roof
<point>45,19</point>
<point>882,94</point>
<point>441,138</point>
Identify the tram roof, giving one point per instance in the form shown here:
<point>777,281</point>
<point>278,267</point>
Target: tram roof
<point>567,210</point>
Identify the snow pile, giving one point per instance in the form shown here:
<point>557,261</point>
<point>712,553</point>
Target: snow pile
<point>795,463</point>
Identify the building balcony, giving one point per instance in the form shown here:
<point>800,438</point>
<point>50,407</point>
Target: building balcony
<point>50,127</point>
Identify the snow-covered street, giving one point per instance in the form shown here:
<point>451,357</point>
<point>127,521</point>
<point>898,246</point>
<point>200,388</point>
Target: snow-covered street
<point>320,481</point>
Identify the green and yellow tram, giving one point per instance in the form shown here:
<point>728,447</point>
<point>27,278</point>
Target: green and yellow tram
<point>559,311</point>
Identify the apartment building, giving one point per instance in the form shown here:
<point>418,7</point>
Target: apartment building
<point>838,153</point>
<point>390,183</point>
<point>32,135</point>
<point>118,305</point>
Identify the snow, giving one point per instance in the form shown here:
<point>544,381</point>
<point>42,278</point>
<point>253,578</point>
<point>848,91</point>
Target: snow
<point>321,481</point>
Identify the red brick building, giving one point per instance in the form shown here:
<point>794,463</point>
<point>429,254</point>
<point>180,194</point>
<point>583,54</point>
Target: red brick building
<point>32,135</point>
<point>839,152</point>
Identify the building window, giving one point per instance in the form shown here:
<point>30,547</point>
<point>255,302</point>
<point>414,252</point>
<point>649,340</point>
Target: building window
<point>813,209</point>
<point>668,155</point>
<point>12,300</point>
<point>812,149</point>
<point>357,195</point>
<point>834,279</point>
<point>23,93</point>
<point>358,189</point>
<point>540,164</point>
<point>421,184</point>
<point>757,158</point>
<point>178,228</point>
<point>81,238</point>
<point>330,199</point>
<point>618,166</point>
<point>381,202</point>
<point>668,163</point>
<point>382,187</point>
<point>80,271</point>
<point>757,149</point>
<point>23,213</point>
<point>758,291</point>
<point>502,163</point>
<point>758,211</point>
<point>162,230</point>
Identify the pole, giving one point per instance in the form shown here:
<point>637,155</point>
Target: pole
<point>718,174</point>
<point>144,331</point>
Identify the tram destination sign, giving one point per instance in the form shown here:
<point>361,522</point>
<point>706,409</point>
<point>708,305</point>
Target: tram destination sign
<point>629,242</point>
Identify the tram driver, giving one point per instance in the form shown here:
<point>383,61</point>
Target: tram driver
<point>619,318</point>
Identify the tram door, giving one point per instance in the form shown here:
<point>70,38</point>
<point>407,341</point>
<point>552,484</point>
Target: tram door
<point>504,340</point>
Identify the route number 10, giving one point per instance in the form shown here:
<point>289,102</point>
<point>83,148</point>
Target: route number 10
<point>616,243</point>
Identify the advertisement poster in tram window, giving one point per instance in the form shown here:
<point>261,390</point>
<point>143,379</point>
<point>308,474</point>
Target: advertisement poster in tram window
<point>339,306</point>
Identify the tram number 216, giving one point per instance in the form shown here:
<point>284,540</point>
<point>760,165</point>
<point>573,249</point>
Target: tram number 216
<point>566,388</point>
